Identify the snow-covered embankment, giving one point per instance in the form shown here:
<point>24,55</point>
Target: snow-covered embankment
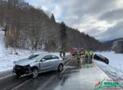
<point>115,67</point>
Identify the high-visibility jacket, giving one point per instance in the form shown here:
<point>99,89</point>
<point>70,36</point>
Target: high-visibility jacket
<point>91,54</point>
<point>88,54</point>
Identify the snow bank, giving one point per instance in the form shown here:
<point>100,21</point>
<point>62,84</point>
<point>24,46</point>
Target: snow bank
<point>8,56</point>
<point>115,67</point>
<point>116,60</point>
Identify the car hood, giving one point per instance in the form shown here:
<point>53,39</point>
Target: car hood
<point>24,62</point>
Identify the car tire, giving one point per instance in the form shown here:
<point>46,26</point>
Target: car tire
<point>60,68</point>
<point>34,73</point>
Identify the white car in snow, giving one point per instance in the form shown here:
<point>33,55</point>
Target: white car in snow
<point>38,63</point>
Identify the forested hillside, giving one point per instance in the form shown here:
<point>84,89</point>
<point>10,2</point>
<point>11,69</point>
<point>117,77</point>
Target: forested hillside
<point>31,28</point>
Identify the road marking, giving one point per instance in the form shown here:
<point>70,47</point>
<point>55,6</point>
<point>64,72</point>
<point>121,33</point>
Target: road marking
<point>1,78</point>
<point>46,83</point>
<point>20,85</point>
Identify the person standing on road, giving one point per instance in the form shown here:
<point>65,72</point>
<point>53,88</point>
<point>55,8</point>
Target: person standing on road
<point>87,56</point>
<point>62,53</point>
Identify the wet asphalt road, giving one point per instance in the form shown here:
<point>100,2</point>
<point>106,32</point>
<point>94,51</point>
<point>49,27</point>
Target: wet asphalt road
<point>45,81</point>
<point>72,78</point>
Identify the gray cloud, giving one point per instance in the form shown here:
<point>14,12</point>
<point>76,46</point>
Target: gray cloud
<point>114,15</point>
<point>90,16</point>
<point>112,33</point>
<point>100,6</point>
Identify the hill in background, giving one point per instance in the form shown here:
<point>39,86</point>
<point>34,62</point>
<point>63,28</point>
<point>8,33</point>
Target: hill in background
<point>31,28</point>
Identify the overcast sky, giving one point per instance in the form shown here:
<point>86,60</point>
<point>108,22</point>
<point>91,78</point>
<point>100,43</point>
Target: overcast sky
<point>102,19</point>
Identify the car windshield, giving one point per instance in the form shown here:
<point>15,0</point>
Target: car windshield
<point>33,56</point>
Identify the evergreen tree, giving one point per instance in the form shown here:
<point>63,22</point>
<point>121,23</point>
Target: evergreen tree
<point>53,18</point>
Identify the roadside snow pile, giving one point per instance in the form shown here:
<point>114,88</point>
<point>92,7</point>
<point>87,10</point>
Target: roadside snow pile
<point>115,67</point>
<point>7,59</point>
<point>8,56</point>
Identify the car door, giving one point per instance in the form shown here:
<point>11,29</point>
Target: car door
<point>46,62</point>
<point>55,61</point>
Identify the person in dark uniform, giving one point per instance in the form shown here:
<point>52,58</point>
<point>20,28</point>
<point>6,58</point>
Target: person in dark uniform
<point>62,54</point>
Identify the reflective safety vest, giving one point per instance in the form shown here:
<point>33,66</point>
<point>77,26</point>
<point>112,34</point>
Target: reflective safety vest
<point>89,54</point>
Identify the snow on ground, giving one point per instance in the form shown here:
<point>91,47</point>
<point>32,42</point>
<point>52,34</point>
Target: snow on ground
<point>7,59</point>
<point>8,56</point>
<point>115,67</point>
<point>116,60</point>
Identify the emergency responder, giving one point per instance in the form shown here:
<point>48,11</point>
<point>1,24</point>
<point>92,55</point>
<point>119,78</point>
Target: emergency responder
<point>87,56</point>
<point>63,53</point>
<point>83,55</point>
<point>78,58</point>
<point>90,57</point>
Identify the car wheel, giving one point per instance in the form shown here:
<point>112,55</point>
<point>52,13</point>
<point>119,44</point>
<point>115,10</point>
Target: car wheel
<point>34,72</point>
<point>60,68</point>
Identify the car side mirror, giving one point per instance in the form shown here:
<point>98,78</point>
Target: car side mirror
<point>42,60</point>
